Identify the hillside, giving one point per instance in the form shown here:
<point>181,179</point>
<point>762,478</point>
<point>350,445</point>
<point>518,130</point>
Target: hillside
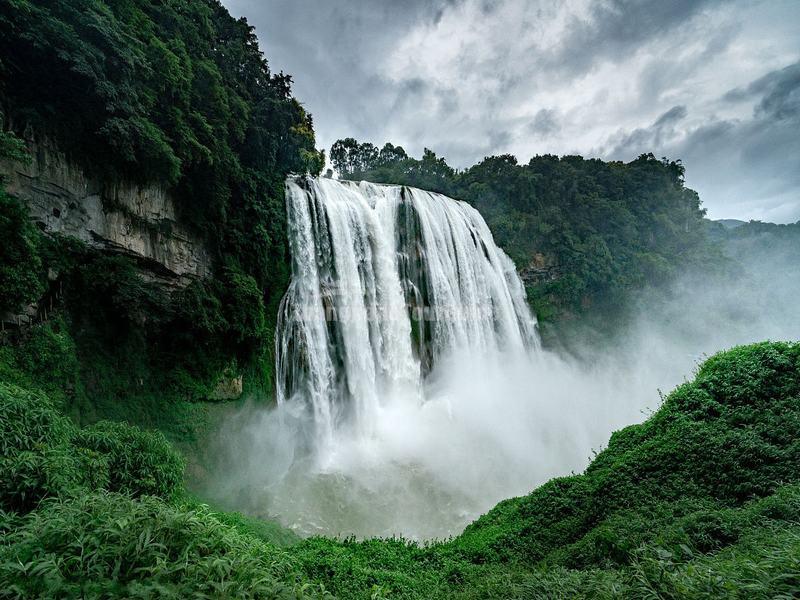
<point>149,148</point>
<point>586,235</point>
<point>699,501</point>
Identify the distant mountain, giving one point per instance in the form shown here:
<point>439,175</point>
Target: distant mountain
<point>734,230</point>
<point>730,223</point>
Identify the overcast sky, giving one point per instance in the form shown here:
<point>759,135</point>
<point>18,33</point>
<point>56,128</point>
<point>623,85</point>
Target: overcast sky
<point>714,83</point>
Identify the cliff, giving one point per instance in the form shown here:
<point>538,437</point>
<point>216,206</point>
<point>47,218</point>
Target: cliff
<point>163,141</point>
<point>136,220</point>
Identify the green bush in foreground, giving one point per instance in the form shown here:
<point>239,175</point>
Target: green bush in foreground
<point>764,565</point>
<point>139,462</point>
<point>45,455</point>
<point>30,421</point>
<point>36,461</point>
<point>107,545</point>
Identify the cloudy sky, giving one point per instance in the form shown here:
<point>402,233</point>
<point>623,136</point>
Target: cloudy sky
<point>715,83</point>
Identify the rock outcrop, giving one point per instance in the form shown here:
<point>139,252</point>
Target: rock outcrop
<point>136,220</point>
<point>228,387</point>
<point>540,269</point>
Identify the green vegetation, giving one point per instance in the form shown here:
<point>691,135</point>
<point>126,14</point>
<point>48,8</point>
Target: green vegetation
<point>100,512</point>
<point>176,94</point>
<point>584,233</point>
<point>105,545</point>
<point>20,265</point>
<point>702,501</point>
<point>45,455</point>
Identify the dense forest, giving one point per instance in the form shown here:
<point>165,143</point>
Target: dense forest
<point>105,389</point>
<point>174,94</point>
<point>583,233</point>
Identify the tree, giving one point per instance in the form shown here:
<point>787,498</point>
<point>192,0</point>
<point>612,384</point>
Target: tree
<point>593,230</point>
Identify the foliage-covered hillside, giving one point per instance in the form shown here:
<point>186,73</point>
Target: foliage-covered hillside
<point>701,501</point>
<point>584,233</point>
<point>755,240</point>
<point>172,93</point>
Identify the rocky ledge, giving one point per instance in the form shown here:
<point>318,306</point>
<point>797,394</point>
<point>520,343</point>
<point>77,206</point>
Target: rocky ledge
<point>127,218</point>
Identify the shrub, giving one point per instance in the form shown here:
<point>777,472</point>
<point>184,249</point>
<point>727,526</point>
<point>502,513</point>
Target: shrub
<point>26,478</point>
<point>44,454</point>
<point>763,565</point>
<point>139,462</point>
<point>108,545</point>
<point>30,421</point>
<point>702,526</point>
<point>34,447</point>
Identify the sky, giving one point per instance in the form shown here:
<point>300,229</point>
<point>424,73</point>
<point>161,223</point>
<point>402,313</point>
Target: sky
<point>714,83</point>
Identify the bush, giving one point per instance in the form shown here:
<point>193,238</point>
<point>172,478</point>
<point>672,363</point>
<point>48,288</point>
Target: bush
<point>34,443</point>
<point>763,565</point>
<point>26,478</point>
<point>139,462</point>
<point>702,526</point>
<point>108,545</point>
<point>30,421</point>
<point>45,455</point>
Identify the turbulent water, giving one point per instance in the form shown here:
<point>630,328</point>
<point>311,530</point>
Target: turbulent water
<point>386,281</point>
<point>413,394</point>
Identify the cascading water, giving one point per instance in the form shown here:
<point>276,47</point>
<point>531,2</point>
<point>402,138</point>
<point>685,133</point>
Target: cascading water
<point>412,393</point>
<point>400,347</point>
<point>386,281</point>
<point>410,399</point>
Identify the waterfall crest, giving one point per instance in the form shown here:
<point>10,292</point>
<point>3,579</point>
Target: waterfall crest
<point>386,281</point>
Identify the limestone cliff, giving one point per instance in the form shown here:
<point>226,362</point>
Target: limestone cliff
<point>124,217</point>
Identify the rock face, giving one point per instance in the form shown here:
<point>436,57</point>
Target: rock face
<point>540,270</point>
<point>228,387</point>
<point>136,220</point>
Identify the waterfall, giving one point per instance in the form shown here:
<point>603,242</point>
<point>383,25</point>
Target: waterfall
<point>386,281</point>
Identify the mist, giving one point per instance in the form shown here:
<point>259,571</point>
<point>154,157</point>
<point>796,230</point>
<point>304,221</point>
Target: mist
<point>493,426</point>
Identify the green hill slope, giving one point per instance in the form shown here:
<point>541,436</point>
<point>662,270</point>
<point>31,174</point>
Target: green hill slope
<point>701,500</point>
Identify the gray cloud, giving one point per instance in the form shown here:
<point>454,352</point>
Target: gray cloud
<point>672,116</point>
<point>775,84</point>
<point>706,81</point>
<point>753,163</point>
<point>545,122</point>
<point>615,28</point>
<point>782,97</point>
<point>646,139</point>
